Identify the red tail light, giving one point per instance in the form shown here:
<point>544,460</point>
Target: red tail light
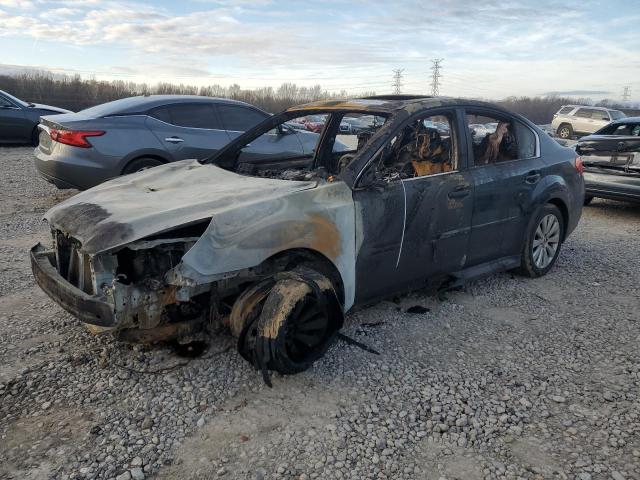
<point>579,165</point>
<point>75,138</point>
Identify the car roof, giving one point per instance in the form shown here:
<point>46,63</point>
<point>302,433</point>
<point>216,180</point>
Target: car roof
<point>592,107</point>
<point>143,103</point>
<point>389,104</point>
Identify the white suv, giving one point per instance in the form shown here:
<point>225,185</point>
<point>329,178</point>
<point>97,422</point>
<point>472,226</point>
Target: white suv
<point>581,120</point>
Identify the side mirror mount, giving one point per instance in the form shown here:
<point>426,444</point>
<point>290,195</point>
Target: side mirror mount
<point>371,181</point>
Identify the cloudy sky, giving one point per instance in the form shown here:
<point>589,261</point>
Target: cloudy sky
<point>491,49</point>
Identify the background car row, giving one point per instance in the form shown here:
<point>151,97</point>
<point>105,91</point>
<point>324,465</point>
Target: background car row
<point>81,150</point>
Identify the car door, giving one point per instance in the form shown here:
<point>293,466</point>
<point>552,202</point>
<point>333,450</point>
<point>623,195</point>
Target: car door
<point>188,130</point>
<point>414,229</point>
<point>582,122</point>
<point>490,212</point>
<point>599,119</point>
<point>14,125</point>
<point>520,178</point>
<point>278,143</point>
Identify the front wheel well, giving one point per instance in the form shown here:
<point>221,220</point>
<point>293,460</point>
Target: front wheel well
<point>289,259</point>
<point>565,214</point>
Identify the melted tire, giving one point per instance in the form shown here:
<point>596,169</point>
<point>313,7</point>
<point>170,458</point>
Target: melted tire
<point>297,322</point>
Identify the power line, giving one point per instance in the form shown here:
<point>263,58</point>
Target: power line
<point>626,94</point>
<point>435,76</point>
<point>397,80</point>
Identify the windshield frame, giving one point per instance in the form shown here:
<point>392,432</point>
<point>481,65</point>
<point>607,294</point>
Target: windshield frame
<point>227,157</point>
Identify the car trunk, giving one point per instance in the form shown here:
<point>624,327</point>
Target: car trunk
<point>66,121</point>
<point>610,154</point>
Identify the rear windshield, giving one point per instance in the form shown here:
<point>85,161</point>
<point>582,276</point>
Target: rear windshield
<point>627,129</point>
<point>616,114</point>
<point>109,108</point>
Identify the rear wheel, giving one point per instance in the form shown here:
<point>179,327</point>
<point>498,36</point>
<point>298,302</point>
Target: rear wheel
<point>565,131</point>
<point>140,164</point>
<point>288,322</point>
<point>543,242</point>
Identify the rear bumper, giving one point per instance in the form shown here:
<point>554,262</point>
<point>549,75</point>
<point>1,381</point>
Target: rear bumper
<point>613,186</point>
<point>89,309</point>
<point>71,167</point>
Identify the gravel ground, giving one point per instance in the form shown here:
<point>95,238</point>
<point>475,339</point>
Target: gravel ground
<point>509,378</point>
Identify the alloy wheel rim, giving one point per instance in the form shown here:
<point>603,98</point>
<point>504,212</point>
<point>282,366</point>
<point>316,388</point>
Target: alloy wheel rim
<point>546,240</point>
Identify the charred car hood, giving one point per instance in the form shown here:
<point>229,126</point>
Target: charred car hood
<point>160,199</point>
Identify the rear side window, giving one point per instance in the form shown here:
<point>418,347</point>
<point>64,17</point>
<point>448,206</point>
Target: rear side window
<point>584,113</point>
<point>239,119</point>
<point>161,113</point>
<point>499,139</point>
<point>565,110</point>
<point>600,115</point>
<point>194,115</point>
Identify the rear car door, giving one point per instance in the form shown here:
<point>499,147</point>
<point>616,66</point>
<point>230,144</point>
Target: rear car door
<point>14,124</point>
<point>599,119</point>
<point>582,122</point>
<point>188,130</point>
<point>491,197</point>
<point>277,143</point>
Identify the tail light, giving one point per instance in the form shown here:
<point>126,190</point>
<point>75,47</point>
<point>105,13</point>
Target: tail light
<point>75,138</point>
<point>579,165</point>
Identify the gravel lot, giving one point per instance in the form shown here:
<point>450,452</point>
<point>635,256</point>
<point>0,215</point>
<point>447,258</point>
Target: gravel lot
<point>509,378</point>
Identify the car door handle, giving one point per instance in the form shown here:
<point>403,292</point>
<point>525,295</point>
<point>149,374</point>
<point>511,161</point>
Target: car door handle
<point>173,139</point>
<point>532,177</point>
<point>460,191</point>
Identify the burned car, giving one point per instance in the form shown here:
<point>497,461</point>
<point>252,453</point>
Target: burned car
<point>279,252</point>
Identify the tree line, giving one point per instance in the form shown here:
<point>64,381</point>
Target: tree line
<point>75,93</point>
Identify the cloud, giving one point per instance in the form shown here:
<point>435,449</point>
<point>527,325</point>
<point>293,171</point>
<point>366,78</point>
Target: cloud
<point>577,92</point>
<point>491,48</point>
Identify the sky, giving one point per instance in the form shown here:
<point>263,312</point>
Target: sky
<point>490,49</point>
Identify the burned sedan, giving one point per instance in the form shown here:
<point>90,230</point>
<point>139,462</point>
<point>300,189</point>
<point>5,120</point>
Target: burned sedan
<point>278,252</point>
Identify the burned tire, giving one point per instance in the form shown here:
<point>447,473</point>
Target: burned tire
<point>565,131</point>
<point>288,322</point>
<point>543,241</point>
<point>140,164</point>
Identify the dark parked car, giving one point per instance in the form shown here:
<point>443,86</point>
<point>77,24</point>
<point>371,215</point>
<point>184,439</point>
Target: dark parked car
<point>279,253</point>
<point>611,159</point>
<point>19,119</point>
<point>81,150</point>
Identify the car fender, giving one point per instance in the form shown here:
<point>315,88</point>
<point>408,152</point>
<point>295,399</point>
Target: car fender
<point>321,219</point>
<point>553,189</point>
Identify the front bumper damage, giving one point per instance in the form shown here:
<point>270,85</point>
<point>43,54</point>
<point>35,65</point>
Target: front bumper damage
<point>135,312</point>
<point>91,309</point>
